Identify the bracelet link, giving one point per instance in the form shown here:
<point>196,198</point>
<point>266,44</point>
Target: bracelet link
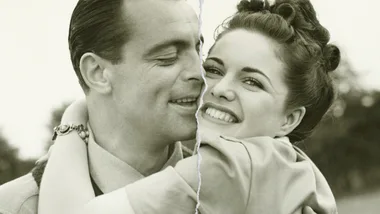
<point>65,129</point>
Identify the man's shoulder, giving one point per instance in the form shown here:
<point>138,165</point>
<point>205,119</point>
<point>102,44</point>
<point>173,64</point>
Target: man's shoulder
<point>19,196</point>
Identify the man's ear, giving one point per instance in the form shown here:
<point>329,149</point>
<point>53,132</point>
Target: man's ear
<point>292,120</point>
<point>94,72</point>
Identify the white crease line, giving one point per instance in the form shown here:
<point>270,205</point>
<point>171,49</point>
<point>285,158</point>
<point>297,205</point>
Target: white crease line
<point>199,157</point>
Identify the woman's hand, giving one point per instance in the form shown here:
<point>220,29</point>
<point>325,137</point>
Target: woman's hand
<point>45,157</point>
<point>76,113</point>
<point>308,210</point>
<point>206,134</point>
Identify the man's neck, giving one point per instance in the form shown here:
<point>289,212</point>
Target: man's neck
<point>133,148</point>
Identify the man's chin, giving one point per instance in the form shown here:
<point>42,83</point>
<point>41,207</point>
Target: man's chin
<point>185,132</point>
<point>191,135</point>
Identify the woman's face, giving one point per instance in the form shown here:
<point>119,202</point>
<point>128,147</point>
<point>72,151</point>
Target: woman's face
<point>246,91</point>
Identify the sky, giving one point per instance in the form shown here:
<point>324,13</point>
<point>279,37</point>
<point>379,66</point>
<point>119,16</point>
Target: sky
<point>36,75</point>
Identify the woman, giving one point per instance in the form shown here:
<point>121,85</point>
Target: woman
<point>268,87</point>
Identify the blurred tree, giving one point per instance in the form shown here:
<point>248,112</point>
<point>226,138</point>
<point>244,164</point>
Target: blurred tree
<point>346,145</point>
<point>11,166</point>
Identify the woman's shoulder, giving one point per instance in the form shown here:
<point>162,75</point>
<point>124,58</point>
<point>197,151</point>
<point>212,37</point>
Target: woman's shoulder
<point>263,146</point>
<point>273,158</point>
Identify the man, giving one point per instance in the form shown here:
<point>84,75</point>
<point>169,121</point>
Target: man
<point>138,64</point>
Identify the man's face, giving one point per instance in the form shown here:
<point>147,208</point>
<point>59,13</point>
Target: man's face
<point>157,84</point>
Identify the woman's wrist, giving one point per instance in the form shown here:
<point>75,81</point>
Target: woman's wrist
<point>70,129</point>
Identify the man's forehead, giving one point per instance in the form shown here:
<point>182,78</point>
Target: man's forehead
<point>159,8</point>
<point>158,20</point>
<point>195,5</point>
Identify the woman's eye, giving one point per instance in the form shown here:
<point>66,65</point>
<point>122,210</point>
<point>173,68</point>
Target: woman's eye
<point>253,82</point>
<point>212,70</point>
<point>167,61</point>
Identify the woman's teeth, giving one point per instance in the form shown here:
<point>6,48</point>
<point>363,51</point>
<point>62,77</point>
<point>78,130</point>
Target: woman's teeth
<point>217,114</point>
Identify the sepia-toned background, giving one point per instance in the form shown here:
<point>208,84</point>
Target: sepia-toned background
<point>37,82</point>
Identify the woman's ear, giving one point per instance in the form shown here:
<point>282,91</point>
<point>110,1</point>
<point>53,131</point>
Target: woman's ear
<point>292,120</point>
<point>94,72</point>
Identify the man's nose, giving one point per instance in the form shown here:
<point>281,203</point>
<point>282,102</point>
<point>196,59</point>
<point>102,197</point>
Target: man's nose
<point>193,68</point>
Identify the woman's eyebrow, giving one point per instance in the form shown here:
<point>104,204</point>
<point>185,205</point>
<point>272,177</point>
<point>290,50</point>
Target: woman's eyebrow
<point>255,70</point>
<point>219,61</point>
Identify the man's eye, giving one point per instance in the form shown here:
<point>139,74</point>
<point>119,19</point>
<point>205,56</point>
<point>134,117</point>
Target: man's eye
<point>167,61</point>
<point>198,48</point>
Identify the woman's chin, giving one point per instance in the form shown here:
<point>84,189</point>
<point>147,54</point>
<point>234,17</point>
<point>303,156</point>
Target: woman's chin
<point>207,128</point>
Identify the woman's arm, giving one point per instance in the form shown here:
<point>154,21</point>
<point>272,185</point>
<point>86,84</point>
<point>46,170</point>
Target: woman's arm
<point>226,176</point>
<point>224,187</point>
<point>66,186</point>
<point>66,182</point>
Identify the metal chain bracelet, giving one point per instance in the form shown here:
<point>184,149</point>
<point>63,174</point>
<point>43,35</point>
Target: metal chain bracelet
<point>64,129</point>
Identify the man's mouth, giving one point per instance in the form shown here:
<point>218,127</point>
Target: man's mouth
<point>188,101</point>
<point>186,104</point>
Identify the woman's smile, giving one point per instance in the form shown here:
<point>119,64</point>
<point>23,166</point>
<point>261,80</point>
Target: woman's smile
<point>219,114</point>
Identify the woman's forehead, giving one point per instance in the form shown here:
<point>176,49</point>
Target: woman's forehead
<point>247,48</point>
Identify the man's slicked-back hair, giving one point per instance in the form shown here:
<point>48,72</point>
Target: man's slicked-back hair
<point>99,27</point>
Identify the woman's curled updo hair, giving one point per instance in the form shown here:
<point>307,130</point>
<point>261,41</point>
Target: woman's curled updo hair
<point>304,50</point>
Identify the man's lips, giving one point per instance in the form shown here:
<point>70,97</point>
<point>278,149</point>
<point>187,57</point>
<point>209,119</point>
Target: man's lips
<point>184,100</point>
<point>187,104</point>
